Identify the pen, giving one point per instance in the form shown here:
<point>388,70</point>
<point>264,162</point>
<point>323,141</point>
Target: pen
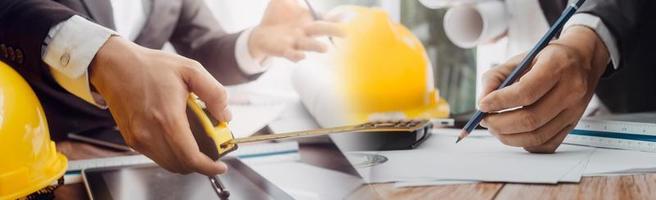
<point>519,70</point>
<point>315,16</point>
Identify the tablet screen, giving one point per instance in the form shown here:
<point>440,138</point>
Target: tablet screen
<point>153,182</point>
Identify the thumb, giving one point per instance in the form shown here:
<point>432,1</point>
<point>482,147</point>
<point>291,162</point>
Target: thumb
<point>208,89</point>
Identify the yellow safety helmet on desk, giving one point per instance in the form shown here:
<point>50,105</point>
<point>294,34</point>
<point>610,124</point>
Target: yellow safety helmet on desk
<point>29,162</point>
<point>384,68</point>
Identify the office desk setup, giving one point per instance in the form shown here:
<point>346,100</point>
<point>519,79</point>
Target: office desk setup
<point>641,186</point>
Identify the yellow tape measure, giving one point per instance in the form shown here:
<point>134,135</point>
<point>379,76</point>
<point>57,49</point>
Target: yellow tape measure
<point>216,140</point>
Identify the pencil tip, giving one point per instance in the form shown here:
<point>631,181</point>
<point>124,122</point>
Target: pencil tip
<point>462,135</point>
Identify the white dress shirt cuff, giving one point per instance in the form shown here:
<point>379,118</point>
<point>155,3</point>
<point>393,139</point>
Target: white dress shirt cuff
<point>245,60</point>
<point>71,46</point>
<point>594,22</point>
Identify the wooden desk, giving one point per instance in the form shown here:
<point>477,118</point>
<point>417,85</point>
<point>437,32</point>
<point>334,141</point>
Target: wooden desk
<point>616,187</point>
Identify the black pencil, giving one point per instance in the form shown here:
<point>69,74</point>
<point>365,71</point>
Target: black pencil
<point>316,17</point>
<point>519,70</point>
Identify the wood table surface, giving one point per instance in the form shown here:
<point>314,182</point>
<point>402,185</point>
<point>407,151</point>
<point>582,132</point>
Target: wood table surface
<point>613,187</point>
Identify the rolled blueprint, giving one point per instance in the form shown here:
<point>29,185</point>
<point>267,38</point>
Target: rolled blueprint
<point>469,25</point>
<point>318,89</point>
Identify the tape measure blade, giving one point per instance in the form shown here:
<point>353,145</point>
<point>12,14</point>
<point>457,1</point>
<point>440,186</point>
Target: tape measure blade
<point>297,134</point>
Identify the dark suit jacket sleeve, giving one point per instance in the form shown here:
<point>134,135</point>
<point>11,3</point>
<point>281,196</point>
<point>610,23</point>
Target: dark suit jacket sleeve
<point>24,24</point>
<point>199,36</point>
<point>624,19</point>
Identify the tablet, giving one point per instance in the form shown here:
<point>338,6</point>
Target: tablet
<point>145,182</point>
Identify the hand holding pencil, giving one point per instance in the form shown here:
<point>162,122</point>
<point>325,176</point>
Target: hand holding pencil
<point>289,29</point>
<point>549,86</point>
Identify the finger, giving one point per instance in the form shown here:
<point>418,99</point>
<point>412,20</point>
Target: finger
<point>531,87</point>
<point>142,139</point>
<point>552,144</point>
<point>493,77</point>
<point>184,147</point>
<point>165,158</point>
<point>209,90</point>
<point>539,136</point>
<point>309,44</point>
<point>531,117</point>
<point>323,28</point>
<point>338,14</point>
<point>483,123</point>
<point>294,55</point>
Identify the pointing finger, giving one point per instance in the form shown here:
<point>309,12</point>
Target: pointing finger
<point>323,28</point>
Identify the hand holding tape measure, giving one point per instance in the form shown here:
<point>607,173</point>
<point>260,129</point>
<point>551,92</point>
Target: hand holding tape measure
<point>215,139</point>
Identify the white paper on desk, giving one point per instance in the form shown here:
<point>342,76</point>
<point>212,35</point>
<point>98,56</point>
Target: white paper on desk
<point>476,133</point>
<point>308,180</point>
<point>613,161</point>
<point>475,159</point>
<point>573,176</point>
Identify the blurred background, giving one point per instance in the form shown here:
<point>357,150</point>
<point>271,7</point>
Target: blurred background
<point>454,67</point>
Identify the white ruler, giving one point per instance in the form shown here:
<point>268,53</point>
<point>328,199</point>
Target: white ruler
<point>614,134</point>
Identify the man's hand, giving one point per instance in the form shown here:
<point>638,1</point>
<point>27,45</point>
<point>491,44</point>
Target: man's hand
<point>146,91</point>
<point>287,30</point>
<point>551,96</point>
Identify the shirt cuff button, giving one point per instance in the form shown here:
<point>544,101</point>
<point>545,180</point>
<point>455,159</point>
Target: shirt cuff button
<point>19,56</point>
<point>3,50</point>
<point>64,59</point>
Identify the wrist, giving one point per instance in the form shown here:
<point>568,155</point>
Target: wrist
<point>114,48</point>
<point>588,44</point>
<point>255,48</point>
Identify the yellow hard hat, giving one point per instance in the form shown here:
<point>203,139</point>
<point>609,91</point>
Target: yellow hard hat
<point>384,68</point>
<point>29,161</point>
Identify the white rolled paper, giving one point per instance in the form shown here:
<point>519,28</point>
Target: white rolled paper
<point>319,92</point>
<point>469,25</point>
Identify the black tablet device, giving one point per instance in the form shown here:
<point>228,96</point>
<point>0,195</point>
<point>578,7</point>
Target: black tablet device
<point>152,182</point>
